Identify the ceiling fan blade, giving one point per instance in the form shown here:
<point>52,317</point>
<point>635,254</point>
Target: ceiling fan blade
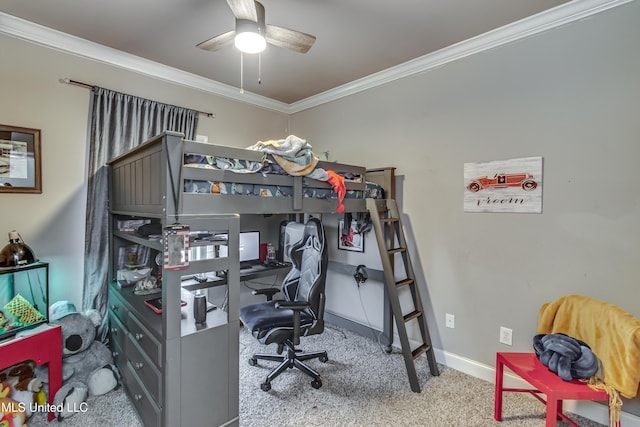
<point>244,9</point>
<point>289,39</point>
<point>218,42</point>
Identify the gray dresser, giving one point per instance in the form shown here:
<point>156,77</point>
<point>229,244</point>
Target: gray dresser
<point>177,372</point>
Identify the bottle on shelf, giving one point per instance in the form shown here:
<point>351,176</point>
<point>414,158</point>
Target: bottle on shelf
<point>271,253</point>
<point>200,307</point>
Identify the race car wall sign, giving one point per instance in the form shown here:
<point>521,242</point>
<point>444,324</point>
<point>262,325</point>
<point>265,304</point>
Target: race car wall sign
<point>513,185</point>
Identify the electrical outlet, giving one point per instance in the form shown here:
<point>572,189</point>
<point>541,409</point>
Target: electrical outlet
<point>506,335</point>
<point>450,320</point>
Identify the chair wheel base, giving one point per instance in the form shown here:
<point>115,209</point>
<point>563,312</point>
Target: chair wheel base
<point>292,359</point>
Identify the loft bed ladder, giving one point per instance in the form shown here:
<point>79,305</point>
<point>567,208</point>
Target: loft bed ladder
<point>391,241</point>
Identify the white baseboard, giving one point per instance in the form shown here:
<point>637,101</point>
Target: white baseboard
<point>588,409</point>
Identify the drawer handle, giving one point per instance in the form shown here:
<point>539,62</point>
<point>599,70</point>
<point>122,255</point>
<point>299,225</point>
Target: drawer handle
<point>115,307</point>
<point>138,397</point>
<point>138,365</point>
<point>139,336</point>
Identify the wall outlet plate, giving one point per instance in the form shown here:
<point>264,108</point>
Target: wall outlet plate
<point>449,320</point>
<point>506,335</point>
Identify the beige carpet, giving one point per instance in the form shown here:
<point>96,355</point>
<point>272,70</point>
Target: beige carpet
<point>363,386</point>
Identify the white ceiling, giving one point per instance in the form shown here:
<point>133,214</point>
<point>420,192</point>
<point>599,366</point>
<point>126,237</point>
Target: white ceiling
<point>355,38</point>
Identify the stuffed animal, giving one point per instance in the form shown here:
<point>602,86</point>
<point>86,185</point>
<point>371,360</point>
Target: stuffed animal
<point>24,387</point>
<point>87,364</point>
<point>11,413</point>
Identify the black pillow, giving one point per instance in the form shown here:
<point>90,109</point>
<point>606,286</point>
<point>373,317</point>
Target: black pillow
<point>566,356</point>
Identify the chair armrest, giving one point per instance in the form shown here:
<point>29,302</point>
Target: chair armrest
<point>292,305</point>
<point>296,307</point>
<point>268,292</point>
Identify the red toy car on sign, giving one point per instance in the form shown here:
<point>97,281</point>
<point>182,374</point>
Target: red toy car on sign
<point>503,180</point>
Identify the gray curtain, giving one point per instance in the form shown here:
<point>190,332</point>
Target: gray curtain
<point>117,123</point>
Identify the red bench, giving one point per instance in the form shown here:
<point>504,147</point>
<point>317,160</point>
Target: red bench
<point>528,367</point>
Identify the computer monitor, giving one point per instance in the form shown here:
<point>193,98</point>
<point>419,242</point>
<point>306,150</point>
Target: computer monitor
<point>249,247</point>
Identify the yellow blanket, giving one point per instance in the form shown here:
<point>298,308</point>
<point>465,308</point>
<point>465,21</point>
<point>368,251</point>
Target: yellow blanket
<point>612,333</point>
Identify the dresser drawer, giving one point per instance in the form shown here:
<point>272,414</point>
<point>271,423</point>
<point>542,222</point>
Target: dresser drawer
<point>117,305</point>
<point>147,342</point>
<point>117,353</point>
<point>117,331</point>
<point>145,369</point>
<point>149,412</point>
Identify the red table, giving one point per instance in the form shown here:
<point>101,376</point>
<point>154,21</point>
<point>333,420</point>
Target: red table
<point>530,369</point>
<point>42,347</point>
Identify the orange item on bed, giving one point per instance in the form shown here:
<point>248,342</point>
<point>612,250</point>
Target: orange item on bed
<point>339,187</point>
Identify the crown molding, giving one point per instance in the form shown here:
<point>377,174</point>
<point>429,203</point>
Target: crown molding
<point>44,36</point>
<point>544,21</point>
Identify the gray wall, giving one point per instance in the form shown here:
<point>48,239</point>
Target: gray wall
<point>571,95</point>
<point>52,223</point>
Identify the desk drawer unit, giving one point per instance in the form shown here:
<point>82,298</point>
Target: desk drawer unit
<point>118,353</point>
<point>117,330</point>
<point>118,307</point>
<point>168,363</point>
<point>143,337</point>
<point>143,402</point>
<point>145,369</point>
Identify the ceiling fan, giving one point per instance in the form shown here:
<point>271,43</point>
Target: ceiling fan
<point>252,33</point>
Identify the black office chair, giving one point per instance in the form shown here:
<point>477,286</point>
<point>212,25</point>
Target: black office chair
<point>301,313</point>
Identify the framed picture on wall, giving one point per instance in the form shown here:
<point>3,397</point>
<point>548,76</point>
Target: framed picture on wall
<point>20,160</point>
<point>350,239</point>
<point>509,186</point>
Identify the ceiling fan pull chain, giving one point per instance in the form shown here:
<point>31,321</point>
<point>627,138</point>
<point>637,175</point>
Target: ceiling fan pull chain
<point>241,72</point>
<point>259,68</point>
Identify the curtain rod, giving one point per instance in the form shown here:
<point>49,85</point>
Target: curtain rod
<point>88,86</point>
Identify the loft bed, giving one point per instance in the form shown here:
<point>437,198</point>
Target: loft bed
<point>167,179</point>
<point>170,176</point>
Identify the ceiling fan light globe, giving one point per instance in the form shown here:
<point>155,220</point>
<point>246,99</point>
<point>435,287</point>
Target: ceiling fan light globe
<point>249,42</point>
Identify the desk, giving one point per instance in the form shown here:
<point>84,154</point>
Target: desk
<point>260,270</point>
<point>41,347</point>
<point>256,271</point>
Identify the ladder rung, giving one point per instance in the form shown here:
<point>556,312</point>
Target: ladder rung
<point>419,350</point>
<point>404,282</point>
<point>387,220</point>
<point>414,314</point>
<point>396,250</point>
